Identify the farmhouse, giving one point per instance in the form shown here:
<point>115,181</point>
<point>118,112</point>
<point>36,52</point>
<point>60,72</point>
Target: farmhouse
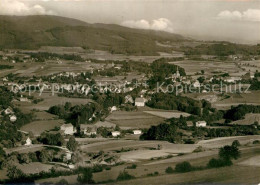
<point>116,133</point>
<point>28,142</point>
<point>68,129</point>
<point>232,79</point>
<point>196,84</point>
<point>201,124</point>
<point>137,132</point>
<point>139,102</point>
<point>13,118</point>
<point>88,129</point>
<point>8,111</point>
<point>23,99</point>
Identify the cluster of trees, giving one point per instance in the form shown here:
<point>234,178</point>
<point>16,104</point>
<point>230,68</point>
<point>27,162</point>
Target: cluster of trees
<point>161,69</point>
<point>51,139</point>
<point>164,131</point>
<point>226,154</point>
<point>220,132</point>
<point>173,102</point>
<point>42,56</point>
<point>238,112</point>
<point>5,67</point>
<point>78,114</point>
<point>44,156</point>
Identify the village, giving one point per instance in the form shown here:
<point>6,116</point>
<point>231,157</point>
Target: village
<point>107,115</point>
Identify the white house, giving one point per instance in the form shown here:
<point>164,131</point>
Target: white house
<point>13,118</point>
<point>112,109</point>
<point>137,132</point>
<point>232,79</point>
<point>116,133</point>
<point>8,111</point>
<point>196,84</point>
<point>139,102</point>
<point>68,129</point>
<point>201,124</point>
<point>28,142</point>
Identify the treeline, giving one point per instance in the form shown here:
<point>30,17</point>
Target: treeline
<point>239,112</point>
<point>42,56</point>
<point>172,102</point>
<point>6,67</point>
<point>222,49</point>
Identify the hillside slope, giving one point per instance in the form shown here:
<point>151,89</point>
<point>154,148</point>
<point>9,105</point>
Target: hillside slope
<point>31,32</point>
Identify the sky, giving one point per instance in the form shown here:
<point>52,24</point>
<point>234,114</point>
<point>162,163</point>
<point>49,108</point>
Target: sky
<point>231,20</point>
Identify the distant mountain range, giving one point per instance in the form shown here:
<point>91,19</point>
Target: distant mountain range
<point>32,32</point>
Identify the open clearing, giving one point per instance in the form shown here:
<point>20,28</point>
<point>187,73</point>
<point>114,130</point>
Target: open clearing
<point>249,120</point>
<point>253,161</point>
<point>131,120</point>
<point>222,141</point>
<point>193,66</point>
<point>168,114</point>
<point>37,127</point>
<point>50,100</point>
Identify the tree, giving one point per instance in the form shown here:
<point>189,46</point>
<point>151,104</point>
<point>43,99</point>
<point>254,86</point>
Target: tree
<point>2,156</point>
<point>72,144</point>
<point>86,176</point>
<point>229,152</point>
<point>236,143</point>
<point>183,167</point>
<point>124,176</point>
<point>169,170</point>
<point>14,173</point>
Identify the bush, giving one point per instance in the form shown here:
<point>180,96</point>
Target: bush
<point>97,168</point>
<point>133,166</point>
<point>169,170</point>
<point>183,167</point>
<point>217,163</point>
<point>108,168</point>
<point>236,143</point>
<point>86,176</point>
<point>256,142</point>
<point>124,176</point>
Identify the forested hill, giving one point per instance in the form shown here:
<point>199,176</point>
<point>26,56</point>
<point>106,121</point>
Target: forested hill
<point>31,32</point>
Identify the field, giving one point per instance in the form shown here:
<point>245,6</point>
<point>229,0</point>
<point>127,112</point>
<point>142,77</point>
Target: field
<point>50,100</point>
<point>168,114</point>
<point>234,174</point>
<point>37,127</point>
<point>131,120</point>
<point>249,119</point>
<point>219,142</point>
<point>192,66</point>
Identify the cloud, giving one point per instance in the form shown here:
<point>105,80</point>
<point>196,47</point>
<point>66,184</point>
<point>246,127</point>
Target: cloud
<point>161,24</point>
<point>248,15</point>
<point>17,7</point>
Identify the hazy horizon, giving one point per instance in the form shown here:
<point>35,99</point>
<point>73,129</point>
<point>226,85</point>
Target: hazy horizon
<point>230,20</point>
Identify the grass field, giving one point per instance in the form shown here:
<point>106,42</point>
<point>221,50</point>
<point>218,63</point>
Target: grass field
<point>249,119</point>
<point>193,66</point>
<point>219,142</point>
<point>168,114</point>
<point>50,100</point>
<point>131,120</point>
<point>37,127</point>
